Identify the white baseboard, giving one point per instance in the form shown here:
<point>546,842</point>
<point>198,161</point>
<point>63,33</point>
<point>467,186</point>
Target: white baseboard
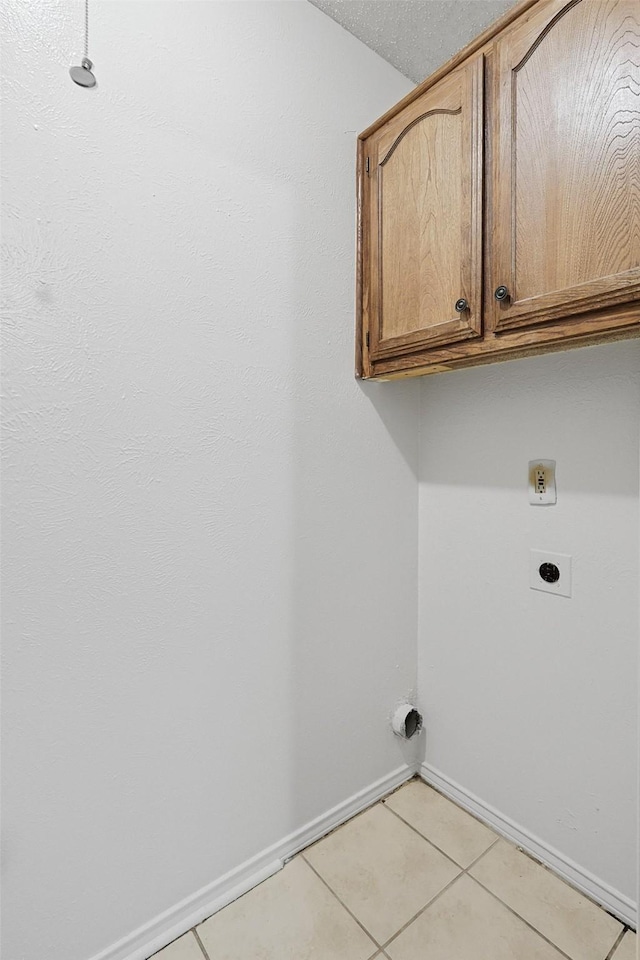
<point>153,936</point>
<point>612,900</point>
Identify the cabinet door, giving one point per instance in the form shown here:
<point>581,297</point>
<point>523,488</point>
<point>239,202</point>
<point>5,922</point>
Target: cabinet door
<point>423,226</point>
<point>566,184</point>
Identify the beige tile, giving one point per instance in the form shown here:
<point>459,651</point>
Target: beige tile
<point>185,948</point>
<point>467,923</point>
<point>291,916</point>
<point>573,923</point>
<point>381,870</point>
<point>627,948</point>
<point>455,832</point>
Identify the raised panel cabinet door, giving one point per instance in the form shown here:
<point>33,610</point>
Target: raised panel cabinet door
<point>566,179</point>
<point>423,271</point>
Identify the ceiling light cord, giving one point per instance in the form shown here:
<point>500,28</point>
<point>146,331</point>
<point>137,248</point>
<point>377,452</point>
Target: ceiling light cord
<point>82,75</point>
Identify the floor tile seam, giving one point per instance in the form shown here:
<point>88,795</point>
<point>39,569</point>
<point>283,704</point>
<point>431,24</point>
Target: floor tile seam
<point>342,904</point>
<point>556,876</point>
<point>200,943</point>
<point>589,897</point>
<point>498,837</point>
<point>421,911</point>
<point>426,839</point>
<point>520,917</point>
<point>343,823</point>
<point>483,854</point>
<point>612,953</point>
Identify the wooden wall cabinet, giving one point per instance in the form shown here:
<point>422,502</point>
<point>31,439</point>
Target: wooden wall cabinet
<point>425,202</point>
<point>499,202</point>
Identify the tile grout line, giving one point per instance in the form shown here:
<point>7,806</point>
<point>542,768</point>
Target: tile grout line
<point>612,952</point>
<point>462,871</point>
<point>520,849</point>
<point>422,836</point>
<point>497,839</point>
<point>355,816</point>
<point>334,894</point>
<point>200,943</point>
<point>526,922</point>
<point>422,910</point>
<point>466,870</point>
<point>512,843</point>
<point>477,859</point>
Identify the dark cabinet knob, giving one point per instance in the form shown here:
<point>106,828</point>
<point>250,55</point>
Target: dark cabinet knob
<point>461,305</point>
<point>501,294</point>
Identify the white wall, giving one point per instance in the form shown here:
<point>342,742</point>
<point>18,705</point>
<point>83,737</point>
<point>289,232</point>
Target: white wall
<point>210,529</point>
<point>530,699</point>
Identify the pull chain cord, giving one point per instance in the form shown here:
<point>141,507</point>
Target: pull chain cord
<point>82,75</point>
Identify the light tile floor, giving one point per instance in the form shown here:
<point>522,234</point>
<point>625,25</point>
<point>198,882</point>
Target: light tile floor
<point>412,878</point>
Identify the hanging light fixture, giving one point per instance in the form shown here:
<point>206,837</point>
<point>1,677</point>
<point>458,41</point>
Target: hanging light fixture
<point>82,75</point>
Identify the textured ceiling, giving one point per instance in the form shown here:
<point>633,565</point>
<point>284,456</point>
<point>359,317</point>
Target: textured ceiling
<point>416,36</point>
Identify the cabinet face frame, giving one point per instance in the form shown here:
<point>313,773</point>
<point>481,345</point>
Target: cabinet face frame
<point>617,321</point>
<point>511,51</point>
<point>459,93</point>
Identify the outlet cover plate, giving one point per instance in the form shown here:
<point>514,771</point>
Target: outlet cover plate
<point>562,586</point>
<point>542,482</point>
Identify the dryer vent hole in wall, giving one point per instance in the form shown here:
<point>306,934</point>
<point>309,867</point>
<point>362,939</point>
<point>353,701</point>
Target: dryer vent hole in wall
<point>412,724</point>
<point>406,721</point>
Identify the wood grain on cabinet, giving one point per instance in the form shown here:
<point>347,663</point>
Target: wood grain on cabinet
<point>480,44</point>
<point>559,202</point>
<point>619,323</point>
<point>566,135</point>
<point>424,193</point>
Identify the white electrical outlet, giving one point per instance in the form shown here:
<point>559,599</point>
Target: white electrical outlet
<point>550,572</point>
<point>542,482</point>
